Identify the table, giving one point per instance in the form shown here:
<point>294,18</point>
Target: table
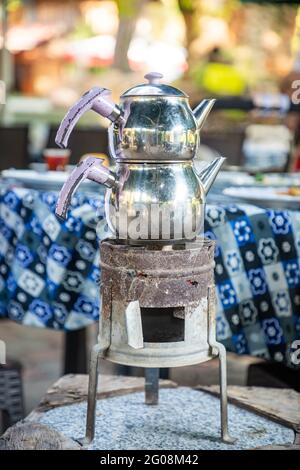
<point>49,270</point>
<point>72,389</point>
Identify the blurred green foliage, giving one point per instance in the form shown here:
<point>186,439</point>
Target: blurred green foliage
<point>126,8</point>
<point>187,6</point>
<point>82,30</point>
<point>12,5</point>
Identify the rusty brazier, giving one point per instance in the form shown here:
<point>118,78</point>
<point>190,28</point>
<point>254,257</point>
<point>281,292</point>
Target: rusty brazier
<point>158,301</point>
<point>158,310</point>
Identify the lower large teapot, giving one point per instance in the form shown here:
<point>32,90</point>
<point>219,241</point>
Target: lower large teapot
<point>147,202</point>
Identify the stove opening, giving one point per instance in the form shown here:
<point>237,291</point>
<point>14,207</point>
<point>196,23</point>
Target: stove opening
<point>163,325</point>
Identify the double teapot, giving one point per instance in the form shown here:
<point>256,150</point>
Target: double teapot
<point>155,193</point>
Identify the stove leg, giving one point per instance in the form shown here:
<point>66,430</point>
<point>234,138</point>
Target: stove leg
<point>222,366</point>
<point>151,385</point>
<point>96,353</point>
<point>223,393</point>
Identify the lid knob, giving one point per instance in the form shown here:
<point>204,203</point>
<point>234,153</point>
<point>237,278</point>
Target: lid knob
<point>153,77</point>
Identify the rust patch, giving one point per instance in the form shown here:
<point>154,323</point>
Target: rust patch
<point>155,277</point>
<point>192,283</point>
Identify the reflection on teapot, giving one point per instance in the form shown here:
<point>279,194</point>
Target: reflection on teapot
<point>155,193</point>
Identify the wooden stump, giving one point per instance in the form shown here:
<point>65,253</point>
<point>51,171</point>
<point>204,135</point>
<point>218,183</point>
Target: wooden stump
<point>35,436</point>
<point>29,434</point>
<point>280,405</point>
<point>277,404</point>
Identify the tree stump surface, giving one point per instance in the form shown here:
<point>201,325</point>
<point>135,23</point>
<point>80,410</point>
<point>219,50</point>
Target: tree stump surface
<point>35,436</point>
<point>280,405</point>
<point>73,388</point>
<point>29,434</point>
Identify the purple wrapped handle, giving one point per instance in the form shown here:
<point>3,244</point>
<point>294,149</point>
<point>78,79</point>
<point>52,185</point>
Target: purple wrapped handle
<point>90,168</point>
<point>96,99</point>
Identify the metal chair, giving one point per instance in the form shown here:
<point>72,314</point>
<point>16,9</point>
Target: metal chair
<point>11,394</point>
<point>82,141</point>
<point>227,144</point>
<point>14,147</point>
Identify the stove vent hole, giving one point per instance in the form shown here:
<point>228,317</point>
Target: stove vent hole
<point>163,325</point>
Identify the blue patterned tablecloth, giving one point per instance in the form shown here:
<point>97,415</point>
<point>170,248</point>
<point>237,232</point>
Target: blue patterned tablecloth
<point>49,270</point>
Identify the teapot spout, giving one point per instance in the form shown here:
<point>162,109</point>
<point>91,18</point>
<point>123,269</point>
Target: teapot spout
<point>209,173</point>
<point>202,111</point>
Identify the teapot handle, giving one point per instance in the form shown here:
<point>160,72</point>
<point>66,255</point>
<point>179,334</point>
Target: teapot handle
<point>90,168</point>
<point>97,99</point>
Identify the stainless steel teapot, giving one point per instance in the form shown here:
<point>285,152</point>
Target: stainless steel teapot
<point>155,194</point>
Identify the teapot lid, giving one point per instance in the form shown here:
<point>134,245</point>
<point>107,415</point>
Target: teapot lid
<point>154,88</point>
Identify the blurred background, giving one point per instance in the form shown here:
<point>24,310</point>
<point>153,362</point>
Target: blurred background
<point>245,53</point>
<point>53,51</point>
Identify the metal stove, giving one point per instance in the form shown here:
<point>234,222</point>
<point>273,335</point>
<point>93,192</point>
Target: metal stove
<point>158,298</point>
<point>158,310</point>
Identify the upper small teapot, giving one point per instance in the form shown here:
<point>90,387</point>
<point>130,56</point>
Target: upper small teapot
<point>153,122</point>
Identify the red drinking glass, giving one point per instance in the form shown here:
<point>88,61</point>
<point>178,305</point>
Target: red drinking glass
<point>56,159</point>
